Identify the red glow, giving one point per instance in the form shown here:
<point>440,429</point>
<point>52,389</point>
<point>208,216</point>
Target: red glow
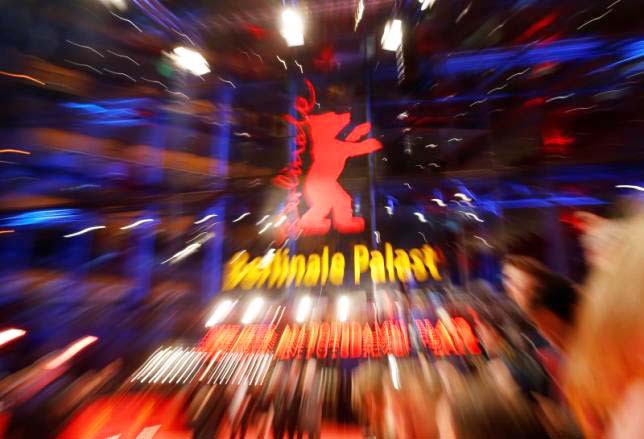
<point>534,102</point>
<point>323,193</point>
<point>259,33</point>
<point>545,21</point>
<point>344,340</point>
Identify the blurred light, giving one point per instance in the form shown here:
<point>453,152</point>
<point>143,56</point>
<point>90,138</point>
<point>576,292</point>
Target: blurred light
<point>265,228</point>
<point>268,258</point>
<point>182,254</point>
<point>359,13</point>
<point>137,223</point>
<point>205,218</point>
<point>393,368</point>
<point>82,232</point>
<point>421,217</point>
<point>439,202</point>
<point>280,221</point>
<point>483,241</point>
<point>41,216</point>
<point>21,76</point>
<point>70,352</point>
<point>292,27</point>
<point>462,196</point>
<point>241,217</point>
<point>121,5</point>
<point>2,232</point>
<point>10,334</point>
<point>392,36</point>
<point>190,60</point>
<point>343,308</point>
<point>15,151</point>
<point>303,309</point>
<point>264,218</point>
<point>630,186</point>
<point>254,307</point>
<point>221,311</point>
<point>426,4</point>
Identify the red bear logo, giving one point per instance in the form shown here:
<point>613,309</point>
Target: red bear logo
<point>323,193</point>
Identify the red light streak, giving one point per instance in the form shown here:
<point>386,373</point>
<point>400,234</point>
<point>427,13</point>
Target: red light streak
<point>15,151</point>
<point>19,75</point>
<point>70,352</point>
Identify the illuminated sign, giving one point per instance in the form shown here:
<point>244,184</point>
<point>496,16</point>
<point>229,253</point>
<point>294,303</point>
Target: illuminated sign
<point>328,203</point>
<point>283,270</point>
<point>343,340</point>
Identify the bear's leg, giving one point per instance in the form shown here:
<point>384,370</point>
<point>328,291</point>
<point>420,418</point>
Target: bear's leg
<point>315,221</point>
<point>343,219</point>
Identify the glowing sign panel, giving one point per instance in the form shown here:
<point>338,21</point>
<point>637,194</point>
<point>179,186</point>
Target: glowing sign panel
<point>343,339</point>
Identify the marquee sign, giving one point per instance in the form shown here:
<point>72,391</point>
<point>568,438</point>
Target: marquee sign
<point>343,340</point>
<point>283,270</point>
<point>327,201</point>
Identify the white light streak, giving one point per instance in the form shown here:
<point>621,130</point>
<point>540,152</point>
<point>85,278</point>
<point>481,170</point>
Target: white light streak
<point>560,97</point>
<point>389,210</point>
<point>343,308</point>
<point>303,309</point>
<point>154,82</point>
<point>423,235</point>
<point>463,12</point>
<point>377,234</point>
<point>483,241</point>
<point>119,74</point>
<point>221,311</point>
<point>431,145</point>
<point>81,232</point>
<point>183,95</point>
<point>630,186</point>
<point>127,21</point>
<point>403,115</point>
<point>205,218</point>
<point>522,72</point>
<point>242,134</point>
<point>462,196</point>
<point>572,110</point>
<point>359,13</point>
<point>84,65</point>
<point>70,352</point>
<point>455,139</point>
<point>10,334</point>
<point>392,36</point>
<point>613,4</point>
<point>439,202</point>
<point>265,228</point>
<point>421,217</point>
<point>182,254</point>
<point>257,55</point>
<point>280,221</point>
<point>254,307</point>
<point>181,34</point>
<point>478,102</point>
<point>408,185</point>
<point>227,81</point>
<point>264,218</point>
<point>594,19</point>
<point>426,4</point>
<point>393,368</point>
<point>282,61</point>
<point>497,88</point>
<point>120,55</point>
<point>461,115</point>
<point>473,216</point>
<point>299,66</point>
<point>137,223</point>
<point>86,47</point>
<point>241,217</point>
